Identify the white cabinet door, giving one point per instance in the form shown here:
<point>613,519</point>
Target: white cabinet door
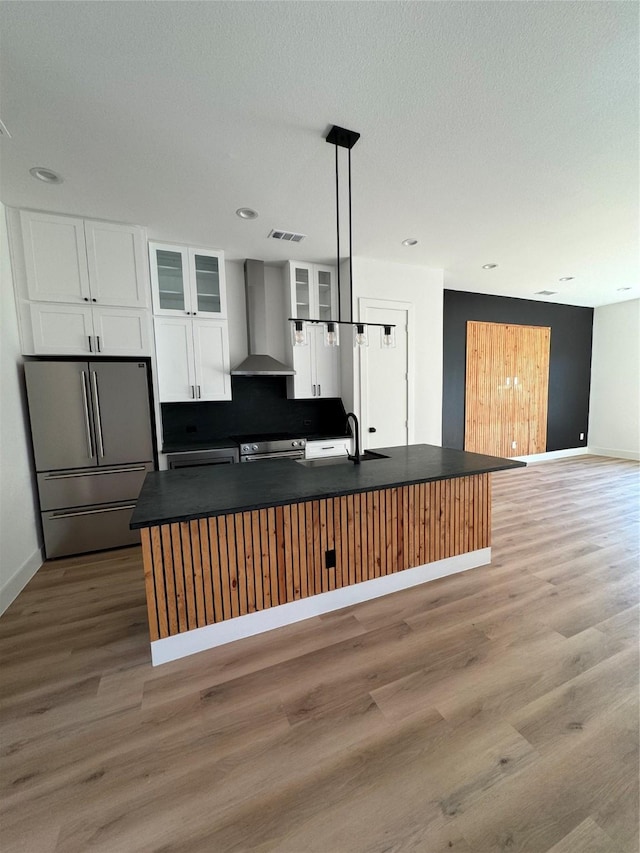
<point>61,329</point>
<point>55,257</point>
<point>116,261</point>
<point>301,385</point>
<point>327,365</point>
<point>301,290</point>
<point>121,331</point>
<point>174,351</point>
<point>211,356</point>
<point>207,283</point>
<point>325,293</point>
<point>169,265</point>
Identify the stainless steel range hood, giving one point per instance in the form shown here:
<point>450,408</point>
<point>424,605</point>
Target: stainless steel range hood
<point>258,362</point>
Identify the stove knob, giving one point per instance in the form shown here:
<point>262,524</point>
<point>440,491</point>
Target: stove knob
<point>254,446</point>
<point>294,444</point>
<point>245,448</point>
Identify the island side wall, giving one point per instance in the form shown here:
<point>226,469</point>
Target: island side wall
<point>210,570</point>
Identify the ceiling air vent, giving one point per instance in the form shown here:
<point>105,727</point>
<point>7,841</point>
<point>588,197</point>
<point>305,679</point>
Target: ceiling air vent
<point>291,236</point>
<point>546,292</point>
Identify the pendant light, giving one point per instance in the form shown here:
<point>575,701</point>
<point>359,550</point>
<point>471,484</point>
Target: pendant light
<point>340,137</point>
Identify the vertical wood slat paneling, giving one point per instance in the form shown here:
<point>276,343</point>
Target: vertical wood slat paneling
<point>206,571</point>
<point>506,388</point>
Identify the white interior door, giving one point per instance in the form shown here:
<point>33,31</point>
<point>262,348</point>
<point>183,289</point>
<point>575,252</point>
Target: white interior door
<point>384,376</point>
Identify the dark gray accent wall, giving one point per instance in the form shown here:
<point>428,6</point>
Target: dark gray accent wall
<point>569,365</point>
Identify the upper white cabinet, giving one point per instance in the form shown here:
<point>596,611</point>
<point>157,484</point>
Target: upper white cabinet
<point>187,281</point>
<point>313,292</point>
<point>193,359</point>
<point>60,329</point>
<point>73,260</point>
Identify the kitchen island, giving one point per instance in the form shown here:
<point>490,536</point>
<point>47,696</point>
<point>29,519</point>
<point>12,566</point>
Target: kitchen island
<point>231,551</point>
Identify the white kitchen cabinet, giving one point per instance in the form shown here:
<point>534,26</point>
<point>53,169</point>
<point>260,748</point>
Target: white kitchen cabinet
<point>193,359</point>
<point>60,329</point>
<point>312,291</point>
<point>317,367</point>
<point>73,260</point>
<point>187,282</point>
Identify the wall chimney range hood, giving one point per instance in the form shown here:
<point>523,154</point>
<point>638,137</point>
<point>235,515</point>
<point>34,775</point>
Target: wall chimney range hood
<point>258,363</point>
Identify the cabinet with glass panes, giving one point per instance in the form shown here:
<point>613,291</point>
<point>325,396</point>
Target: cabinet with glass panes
<point>187,281</point>
<point>313,293</point>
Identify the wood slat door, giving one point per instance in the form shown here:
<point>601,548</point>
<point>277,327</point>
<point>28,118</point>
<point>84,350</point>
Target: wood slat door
<point>507,385</point>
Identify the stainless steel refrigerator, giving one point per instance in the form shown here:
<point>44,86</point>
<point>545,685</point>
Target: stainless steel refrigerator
<point>92,443</point>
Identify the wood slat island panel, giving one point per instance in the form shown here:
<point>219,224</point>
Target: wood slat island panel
<point>206,571</point>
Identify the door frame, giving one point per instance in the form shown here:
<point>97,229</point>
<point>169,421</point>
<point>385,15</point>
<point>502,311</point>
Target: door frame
<point>365,302</point>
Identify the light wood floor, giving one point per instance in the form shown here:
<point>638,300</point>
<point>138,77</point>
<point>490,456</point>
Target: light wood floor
<point>496,710</point>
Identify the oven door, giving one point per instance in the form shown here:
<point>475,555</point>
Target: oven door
<point>282,454</point>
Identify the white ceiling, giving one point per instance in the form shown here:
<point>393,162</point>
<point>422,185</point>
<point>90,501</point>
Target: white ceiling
<point>502,132</point>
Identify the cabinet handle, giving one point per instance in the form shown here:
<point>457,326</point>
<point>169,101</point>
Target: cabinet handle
<point>372,429</point>
<point>193,392</point>
<point>94,300</point>
<point>319,391</point>
<point>90,344</point>
<point>313,390</point>
<point>199,394</point>
<point>86,298</point>
<point>98,342</point>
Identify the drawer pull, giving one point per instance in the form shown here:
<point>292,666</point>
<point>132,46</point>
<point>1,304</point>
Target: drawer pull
<point>93,473</point>
<point>75,514</point>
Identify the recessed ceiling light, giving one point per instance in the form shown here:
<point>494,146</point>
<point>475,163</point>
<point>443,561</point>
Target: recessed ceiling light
<point>623,288</point>
<point>247,213</point>
<point>410,241</point>
<point>566,278</point>
<point>489,266</point>
<point>46,175</point>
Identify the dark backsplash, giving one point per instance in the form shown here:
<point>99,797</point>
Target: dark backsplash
<point>259,405</point>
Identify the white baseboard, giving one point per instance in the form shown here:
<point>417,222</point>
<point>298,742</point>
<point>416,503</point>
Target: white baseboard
<point>554,454</point>
<point>200,639</point>
<point>617,454</point>
<point>17,582</point>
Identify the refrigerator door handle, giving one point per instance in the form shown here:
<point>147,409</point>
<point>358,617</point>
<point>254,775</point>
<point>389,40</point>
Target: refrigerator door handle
<point>91,511</point>
<point>98,418</point>
<point>85,402</point>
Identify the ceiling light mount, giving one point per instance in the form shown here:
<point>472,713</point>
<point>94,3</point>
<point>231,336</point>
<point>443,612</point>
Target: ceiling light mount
<point>247,213</point>
<point>489,266</point>
<point>48,176</point>
<point>410,241</point>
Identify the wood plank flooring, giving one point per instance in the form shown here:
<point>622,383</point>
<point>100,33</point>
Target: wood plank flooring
<point>495,710</point>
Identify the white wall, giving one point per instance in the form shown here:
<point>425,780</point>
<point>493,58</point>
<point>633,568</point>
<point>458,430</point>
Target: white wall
<point>423,288</point>
<point>614,408</point>
<point>20,546</point>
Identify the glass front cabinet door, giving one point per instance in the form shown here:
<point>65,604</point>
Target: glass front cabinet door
<point>313,291</point>
<point>187,282</point>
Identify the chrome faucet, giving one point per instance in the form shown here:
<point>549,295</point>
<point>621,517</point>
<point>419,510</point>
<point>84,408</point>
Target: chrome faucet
<point>356,456</point>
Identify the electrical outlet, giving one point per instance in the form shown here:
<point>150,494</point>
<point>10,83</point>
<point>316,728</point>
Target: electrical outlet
<point>581,436</point>
<point>513,445</point>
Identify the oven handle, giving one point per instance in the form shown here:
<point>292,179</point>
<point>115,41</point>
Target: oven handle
<point>287,454</point>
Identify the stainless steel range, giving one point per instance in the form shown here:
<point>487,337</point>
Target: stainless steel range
<point>256,448</point>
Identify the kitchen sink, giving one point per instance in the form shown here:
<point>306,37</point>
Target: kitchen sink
<point>367,456</point>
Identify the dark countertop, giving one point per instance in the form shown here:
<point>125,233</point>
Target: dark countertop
<point>189,493</point>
